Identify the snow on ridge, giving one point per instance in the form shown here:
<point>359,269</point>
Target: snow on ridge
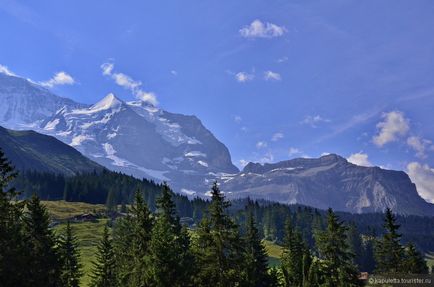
<point>188,191</point>
<point>117,161</point>
<point>202,163</point>
<point>195,153</point>
<point>78,140</point>
<point>52,125</point>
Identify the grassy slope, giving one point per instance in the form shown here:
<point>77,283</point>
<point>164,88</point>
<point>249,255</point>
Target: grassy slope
<point>89,233</point>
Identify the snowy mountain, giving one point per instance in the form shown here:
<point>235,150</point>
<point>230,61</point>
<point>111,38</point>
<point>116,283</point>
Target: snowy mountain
<point>135,137</point>
<point>329,181</point>
<point>25,104</point>
<point>139,139</point>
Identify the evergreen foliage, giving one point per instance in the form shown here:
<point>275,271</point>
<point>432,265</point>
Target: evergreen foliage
<point>389,253</point>
<point>218,246</point>
<point>104,268</point>
<point>256,259</point>
<point>414,262</point>
<point>170,261</point>
<point>70,258</point>
<point>12,245</point>
<point>295,258</point>
<point>44,265</point>
<point>337,260</point>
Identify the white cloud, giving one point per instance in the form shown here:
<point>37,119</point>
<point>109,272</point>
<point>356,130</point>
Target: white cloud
<point>258,29</point>
<point>267,158</point>
<point>128,83</point>
<point>5,70</point>
<point>272,76</point>
<point>325,153</point>
<point>277,136</point>
<point>423,177</point>
<point>282,60</point>
<point>420,145</point>
<point>261,144</point>
<point>107,69</point>
<point>243,77</point>
<point>238,119</point>
<point>60,78</point>
<point>173,72</point>
<point>393,126</point>
<point>293,151</point>
<point>313,121</point>
<point>359,159</point>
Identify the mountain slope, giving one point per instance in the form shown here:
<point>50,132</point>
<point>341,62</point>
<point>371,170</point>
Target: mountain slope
<point>329,181</point>
<point>25,104</point>
<point>28,150</point>
<point>144,141</point>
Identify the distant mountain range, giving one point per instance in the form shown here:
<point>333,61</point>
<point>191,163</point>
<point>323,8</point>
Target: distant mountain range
<point>329,181</point>
<point>145,141</point>
<point>29,150</point>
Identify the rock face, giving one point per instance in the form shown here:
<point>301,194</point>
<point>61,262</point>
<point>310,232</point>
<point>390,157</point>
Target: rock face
<point>329,181</point>
<point>25,104</point>
<point>29,150</point>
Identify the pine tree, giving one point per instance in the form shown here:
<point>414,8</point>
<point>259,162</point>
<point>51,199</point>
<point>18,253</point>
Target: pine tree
<point>170,262</point>
<point>70,258</point>
<point>44,266</point>
<point>337,260</point>
<point>218,246</point>
<point>256,259</point>
<point>414,262</point>
<point>294,257</point>
<point>104,268</point>
<point>389,253</point>
<point>12,246</point>
<point>131,240</point>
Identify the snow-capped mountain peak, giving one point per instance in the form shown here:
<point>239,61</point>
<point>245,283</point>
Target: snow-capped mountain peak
<point>108,102</point>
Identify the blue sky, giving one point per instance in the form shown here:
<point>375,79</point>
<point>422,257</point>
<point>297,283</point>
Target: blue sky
<point>271,79</point>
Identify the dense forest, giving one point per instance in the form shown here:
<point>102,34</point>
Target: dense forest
<point>116,190</point>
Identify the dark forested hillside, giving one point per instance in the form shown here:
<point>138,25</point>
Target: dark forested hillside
<point>29,150</point>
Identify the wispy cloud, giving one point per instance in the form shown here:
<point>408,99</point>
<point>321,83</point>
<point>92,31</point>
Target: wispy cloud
<point>259,29</point>
<point>282,60</point>
<point>238,119</point>
<point>173,72</point>
<point>277,136</point>
<point>272,76</point>
<point>128,83</point>
<point>243,77</point>
<point>314,121</point>
<point>393,126</point>
<point>261,144</point>
<point>59,79</point>
<point>292,151</point>
<point>268,157</point>
<point>420,145</point>
<point>5,70</point>
<point>423,176</point>
<point>359,158</point>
